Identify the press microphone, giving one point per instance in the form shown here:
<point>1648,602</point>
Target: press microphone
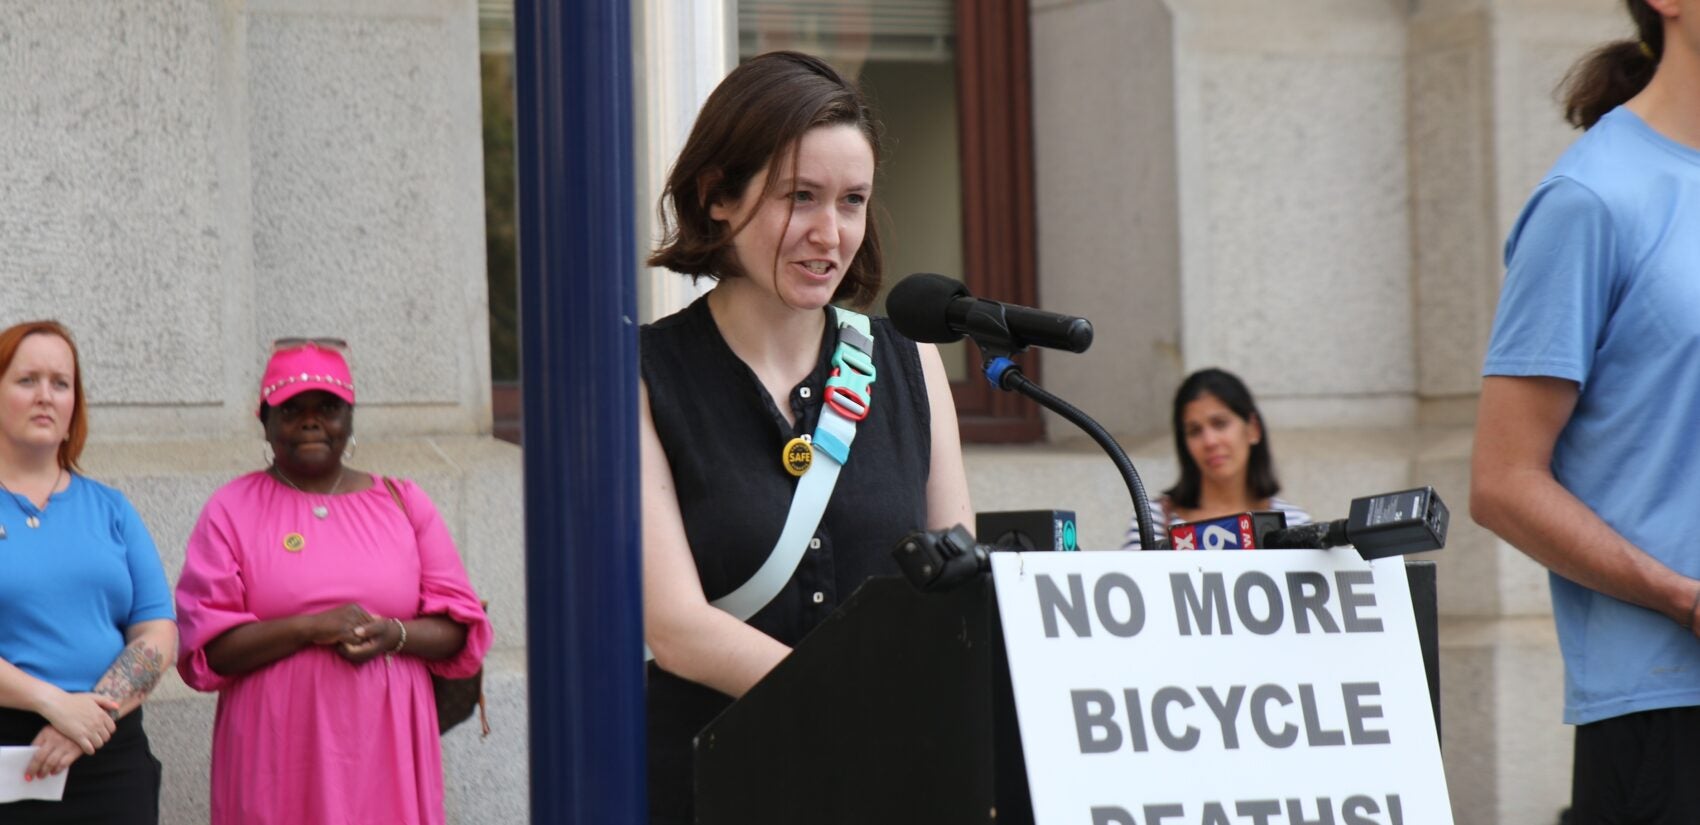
<point>1240,531</point>
<point>1390,524</point>
<point>939,560</point>
<point>1318,535</point>
<point>934,309</point>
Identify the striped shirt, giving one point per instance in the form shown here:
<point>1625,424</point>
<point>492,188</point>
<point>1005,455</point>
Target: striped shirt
<point>1163,514</point>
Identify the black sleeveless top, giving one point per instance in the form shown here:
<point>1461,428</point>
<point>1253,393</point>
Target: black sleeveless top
<point>723,436</point>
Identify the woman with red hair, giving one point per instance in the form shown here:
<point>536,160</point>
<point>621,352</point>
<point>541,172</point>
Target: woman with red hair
<point>86,627</point>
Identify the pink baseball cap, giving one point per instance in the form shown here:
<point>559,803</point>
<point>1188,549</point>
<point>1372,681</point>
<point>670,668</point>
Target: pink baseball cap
<point>299,365</point>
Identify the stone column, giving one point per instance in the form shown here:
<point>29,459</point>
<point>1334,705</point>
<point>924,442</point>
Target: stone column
<point>1485,127</point>
<point>1295,243</point>
<point>683,51</point>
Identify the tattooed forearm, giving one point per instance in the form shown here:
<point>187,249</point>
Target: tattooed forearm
<point>133,674</point>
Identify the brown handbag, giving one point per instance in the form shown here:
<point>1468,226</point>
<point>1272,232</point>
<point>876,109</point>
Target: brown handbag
<point>455,697</point>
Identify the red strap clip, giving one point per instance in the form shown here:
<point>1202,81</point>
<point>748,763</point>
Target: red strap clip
<point>834,392</point>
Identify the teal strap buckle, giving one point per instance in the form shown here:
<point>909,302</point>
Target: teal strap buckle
<point>852,369</point>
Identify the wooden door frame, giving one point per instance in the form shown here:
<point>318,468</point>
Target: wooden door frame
<point>995,112</point>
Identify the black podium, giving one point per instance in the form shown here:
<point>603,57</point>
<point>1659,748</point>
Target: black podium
<point>897,709</point>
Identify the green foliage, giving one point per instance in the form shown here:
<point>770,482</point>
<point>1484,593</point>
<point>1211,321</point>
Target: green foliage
<point>500,216</point>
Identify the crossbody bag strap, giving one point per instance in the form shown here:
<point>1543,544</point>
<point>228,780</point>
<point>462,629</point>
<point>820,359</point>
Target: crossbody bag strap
<point>483,708</point>
<point>395,495</point>
<point>848,398</point>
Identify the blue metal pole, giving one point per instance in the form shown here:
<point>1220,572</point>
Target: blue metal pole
<point>578,305</point>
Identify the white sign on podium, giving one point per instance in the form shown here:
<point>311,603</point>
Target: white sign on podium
<point>1256,688</point>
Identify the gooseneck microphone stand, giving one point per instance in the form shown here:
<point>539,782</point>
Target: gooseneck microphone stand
<point>936,309</point>
<point>1004,374</point>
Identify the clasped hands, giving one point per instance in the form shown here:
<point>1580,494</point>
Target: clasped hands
<point>80,723</point>
<point>77,724</point>
<point>355,634</point>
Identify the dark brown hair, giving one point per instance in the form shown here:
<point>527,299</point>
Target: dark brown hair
<point>78,433</point>
<point>1260,478</point>
<point>1612,74</point>
<point>756,117</point>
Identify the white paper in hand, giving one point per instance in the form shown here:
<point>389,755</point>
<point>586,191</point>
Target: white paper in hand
<point>13,761</point>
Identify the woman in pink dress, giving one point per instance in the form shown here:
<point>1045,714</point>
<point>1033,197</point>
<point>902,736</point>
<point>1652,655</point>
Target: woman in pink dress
<point>318,600</point>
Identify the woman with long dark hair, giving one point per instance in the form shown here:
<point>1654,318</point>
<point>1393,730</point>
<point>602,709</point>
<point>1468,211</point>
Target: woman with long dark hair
<point>1585,452</point>
<point>1223,451</point>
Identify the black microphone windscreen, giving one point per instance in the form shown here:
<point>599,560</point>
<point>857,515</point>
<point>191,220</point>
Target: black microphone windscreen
<point>919,307</point>
<point>1319,535</point>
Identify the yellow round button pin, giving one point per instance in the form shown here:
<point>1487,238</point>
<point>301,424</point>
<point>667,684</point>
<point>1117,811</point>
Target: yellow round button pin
<point>799,454</point>
<point>294,542</point>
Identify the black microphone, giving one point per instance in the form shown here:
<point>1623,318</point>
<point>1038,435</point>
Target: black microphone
<point>934,309</point>
<point>939,560</point>
<point>1390,524</point>
<point>1318,535</point>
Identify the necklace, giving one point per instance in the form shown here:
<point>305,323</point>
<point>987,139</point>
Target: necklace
<point>31,519</point>
<point>319,510</point>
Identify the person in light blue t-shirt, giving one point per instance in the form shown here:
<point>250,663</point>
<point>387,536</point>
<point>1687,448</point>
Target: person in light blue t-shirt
<point>1587,456</point>
<point>86,627</point>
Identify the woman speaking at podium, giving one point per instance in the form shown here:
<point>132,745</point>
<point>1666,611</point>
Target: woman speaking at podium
<point>787,444</point>
<point>1223,450</point>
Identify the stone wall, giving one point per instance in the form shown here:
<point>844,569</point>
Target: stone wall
<point>187,180</point>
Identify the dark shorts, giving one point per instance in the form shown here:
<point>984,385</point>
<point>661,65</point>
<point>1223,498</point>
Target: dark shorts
<point>1639,769</point>
<point>118,785</point>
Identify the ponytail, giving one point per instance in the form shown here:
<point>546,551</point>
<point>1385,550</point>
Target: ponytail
<point>1615,72</point>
